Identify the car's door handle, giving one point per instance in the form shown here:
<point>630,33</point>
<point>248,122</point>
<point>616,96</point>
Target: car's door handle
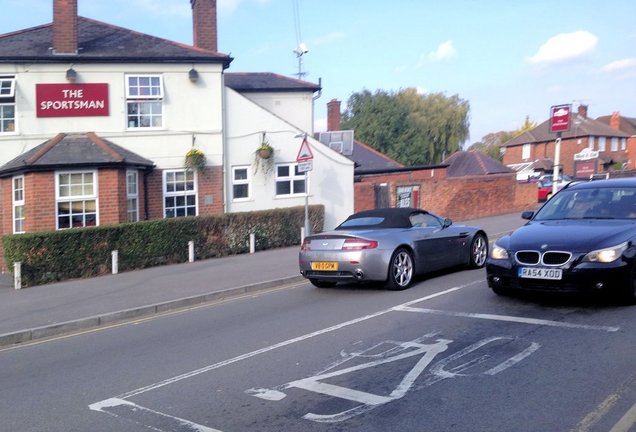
<point>464,234</point>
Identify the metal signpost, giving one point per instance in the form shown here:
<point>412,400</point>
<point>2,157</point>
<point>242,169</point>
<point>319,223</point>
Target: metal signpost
<point>559,122</point>
<point>305,161</point>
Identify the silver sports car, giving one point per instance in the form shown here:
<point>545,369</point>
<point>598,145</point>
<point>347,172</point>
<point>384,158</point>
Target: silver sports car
<point>390,245</point>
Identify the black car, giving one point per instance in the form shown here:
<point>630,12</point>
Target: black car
<point>581,240</point>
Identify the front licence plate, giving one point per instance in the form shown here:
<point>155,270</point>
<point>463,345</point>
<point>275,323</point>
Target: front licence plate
<point>540,273</point>
<point>324,265</point>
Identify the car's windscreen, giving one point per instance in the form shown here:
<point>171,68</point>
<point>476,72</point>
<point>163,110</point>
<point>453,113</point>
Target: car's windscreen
<point>590,203</point>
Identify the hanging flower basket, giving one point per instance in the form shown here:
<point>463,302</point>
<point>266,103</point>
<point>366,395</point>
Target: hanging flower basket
<point>195,160</point>
<point>264,158</point>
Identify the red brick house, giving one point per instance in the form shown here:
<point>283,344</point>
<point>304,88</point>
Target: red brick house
<point>589,147</point>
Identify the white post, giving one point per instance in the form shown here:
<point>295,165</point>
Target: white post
<point>307,227</point>
<point>17,275</point>
<point>557,161</point>
<point>252,243</point>
<point>115,258</point>
<point>191,251</point>
<point>302,235</point>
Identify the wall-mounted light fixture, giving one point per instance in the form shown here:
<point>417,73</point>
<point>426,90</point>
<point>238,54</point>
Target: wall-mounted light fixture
<point>71,74</point>
<point>193,75</point>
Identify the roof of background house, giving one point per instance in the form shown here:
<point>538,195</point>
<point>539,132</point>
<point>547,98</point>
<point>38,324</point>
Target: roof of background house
<point>627,124</point>
<point>579,127</point>
<point>266,82</point>
<point>73,150</point>
<point>102,43</point>
<point>471,163</point>
<point>368,158</point>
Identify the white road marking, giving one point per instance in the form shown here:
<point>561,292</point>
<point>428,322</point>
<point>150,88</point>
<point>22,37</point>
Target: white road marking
<point>508,318</point>
<point>107,406</point>
<point>626,422</point>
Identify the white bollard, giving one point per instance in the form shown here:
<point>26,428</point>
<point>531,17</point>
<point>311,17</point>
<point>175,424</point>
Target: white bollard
<point>17,275</point>
<point>115,261</point>
<point>252,243</point>
<point>302,234</point>
<point>191,251</point>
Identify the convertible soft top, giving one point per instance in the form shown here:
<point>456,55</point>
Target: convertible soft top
<point>391,217</point>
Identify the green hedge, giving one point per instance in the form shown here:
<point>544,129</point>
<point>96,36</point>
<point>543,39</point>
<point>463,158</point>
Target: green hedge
<point>78,253</point>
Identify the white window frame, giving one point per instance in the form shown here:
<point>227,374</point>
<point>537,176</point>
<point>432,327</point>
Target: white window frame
<point>132,196</point>
<point>293,177</point>
<point>7,99</point>
<point>240,182</point>
<point>18,203</point>
<point>591,142</point>
<point>144,102</point>
<point>623,143</point>
<point>76,198</point>
<point>180,193</point>
<point>601,143</point>
<point>525,151</point>
<point>614,144</point>
<point>3,87</point>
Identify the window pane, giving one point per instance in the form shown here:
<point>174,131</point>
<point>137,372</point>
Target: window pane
<point>299,186</point>
<point>283,188</point>
<point>240,191</point>
<point>240,174</point>
<point>282,171</point>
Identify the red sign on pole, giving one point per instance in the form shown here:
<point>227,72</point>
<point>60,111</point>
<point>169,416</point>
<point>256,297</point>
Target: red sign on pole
<point>71,100</point>
<point>304,153</point>
<point>560,118</point>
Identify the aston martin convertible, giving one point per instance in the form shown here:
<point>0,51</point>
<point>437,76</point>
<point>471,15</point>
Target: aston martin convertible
<point>391,246</point>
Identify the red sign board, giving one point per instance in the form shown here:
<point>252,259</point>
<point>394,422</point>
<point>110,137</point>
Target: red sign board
<point>71,100</point>
<point>304,153</point>
<point>560,118</point>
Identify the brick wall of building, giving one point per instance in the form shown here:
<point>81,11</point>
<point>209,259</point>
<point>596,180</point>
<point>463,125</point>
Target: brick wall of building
<point>210,184</point>
<point>458,198</point>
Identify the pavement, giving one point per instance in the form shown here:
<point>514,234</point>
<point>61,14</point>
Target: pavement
<point>45,311</point>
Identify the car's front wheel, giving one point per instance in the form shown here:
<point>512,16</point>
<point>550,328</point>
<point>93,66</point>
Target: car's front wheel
<point>628,295</point>
<point>478,251</point>
<point>400,270</point>
<point>322,283</point>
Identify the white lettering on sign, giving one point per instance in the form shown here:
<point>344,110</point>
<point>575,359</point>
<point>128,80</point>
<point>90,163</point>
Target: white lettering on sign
<point>72,104</point>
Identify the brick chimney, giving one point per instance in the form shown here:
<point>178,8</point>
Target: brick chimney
<point>204,24</point>
<point>64,26</point>
<point>583,111</point>
<point>615,120</point>
<point>333,115</point>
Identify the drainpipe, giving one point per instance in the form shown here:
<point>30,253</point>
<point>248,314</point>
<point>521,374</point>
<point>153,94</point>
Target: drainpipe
<point>225,158</point>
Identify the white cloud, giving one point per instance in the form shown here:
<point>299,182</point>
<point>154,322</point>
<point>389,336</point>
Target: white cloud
<point>444,51</point>
<point>620,65</point>
<point>564,47</point>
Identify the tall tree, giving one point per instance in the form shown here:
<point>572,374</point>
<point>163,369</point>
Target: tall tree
<point>411,128</point>
<point>491,143</point>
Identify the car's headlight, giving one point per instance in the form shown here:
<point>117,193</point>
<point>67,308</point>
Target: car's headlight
<point>606,255</point>
<point>497,252</point>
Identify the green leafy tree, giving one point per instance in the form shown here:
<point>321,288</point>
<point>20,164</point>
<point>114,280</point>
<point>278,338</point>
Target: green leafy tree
<point>492,143</point>
<point>411,128</point>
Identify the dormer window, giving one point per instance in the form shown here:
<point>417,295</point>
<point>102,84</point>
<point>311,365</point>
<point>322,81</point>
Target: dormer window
<point>7,87</point>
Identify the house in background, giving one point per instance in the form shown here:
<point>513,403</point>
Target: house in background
<point>589,147</point>
<point>627,125</point>
<point>96,121</point>
<point>466,185</point>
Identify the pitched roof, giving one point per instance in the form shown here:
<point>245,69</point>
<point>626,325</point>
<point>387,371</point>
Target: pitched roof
<point>99,42</point>
<point>266,81</point>
<point>368,158</point>
<point>627,124</point>
<point>470,163</point>
<point>579,127</point>
<point>74,150</point>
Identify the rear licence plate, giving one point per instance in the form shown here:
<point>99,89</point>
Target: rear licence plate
<point>540,273</point>
<point>324,266</point>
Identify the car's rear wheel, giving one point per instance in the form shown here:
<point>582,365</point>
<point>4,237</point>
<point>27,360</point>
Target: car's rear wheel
<point>322,283</point>
<point>400,270</point>
<point>478,251</point>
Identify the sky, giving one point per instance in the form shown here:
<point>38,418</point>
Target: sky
<point>510,59</point>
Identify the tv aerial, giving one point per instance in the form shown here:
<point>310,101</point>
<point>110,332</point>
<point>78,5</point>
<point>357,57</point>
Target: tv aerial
<point>300,51</point>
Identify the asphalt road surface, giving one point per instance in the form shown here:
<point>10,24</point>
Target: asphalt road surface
<point>445,355</point>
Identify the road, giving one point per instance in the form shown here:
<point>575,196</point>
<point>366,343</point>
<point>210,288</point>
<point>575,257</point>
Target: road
<point>445,355</point>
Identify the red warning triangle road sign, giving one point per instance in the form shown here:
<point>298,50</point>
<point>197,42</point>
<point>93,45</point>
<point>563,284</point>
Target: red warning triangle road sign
<point>304,153</point>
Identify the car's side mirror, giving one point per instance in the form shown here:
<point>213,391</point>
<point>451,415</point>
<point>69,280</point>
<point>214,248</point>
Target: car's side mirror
<point>527,214</point>
<point>447,223</point>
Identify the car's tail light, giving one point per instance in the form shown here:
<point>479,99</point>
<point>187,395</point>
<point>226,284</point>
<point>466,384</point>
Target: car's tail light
<point>305,245</point>
<point>359,244</point>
